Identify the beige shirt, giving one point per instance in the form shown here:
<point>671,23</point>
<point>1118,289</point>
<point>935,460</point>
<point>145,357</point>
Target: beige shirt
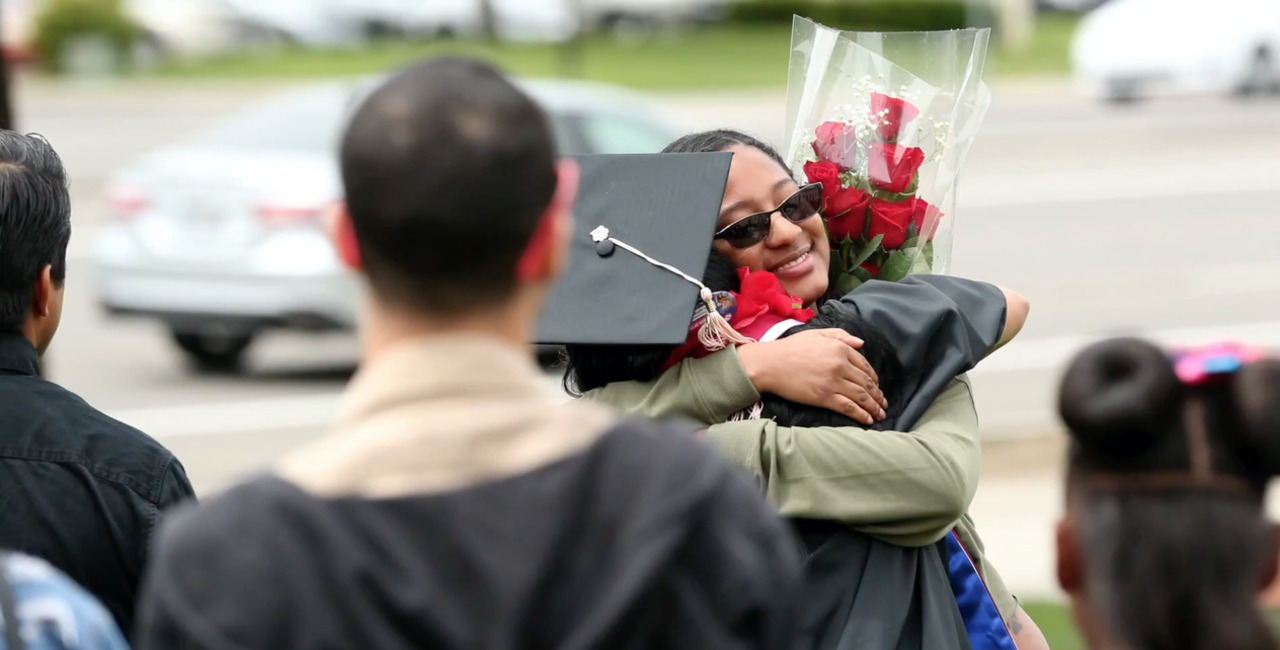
<point>444,413</point>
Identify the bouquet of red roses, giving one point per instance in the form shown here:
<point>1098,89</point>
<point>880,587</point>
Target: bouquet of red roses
<point>885,143</point>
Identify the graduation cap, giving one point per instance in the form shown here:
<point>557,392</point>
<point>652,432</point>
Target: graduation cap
<point>642,234</point>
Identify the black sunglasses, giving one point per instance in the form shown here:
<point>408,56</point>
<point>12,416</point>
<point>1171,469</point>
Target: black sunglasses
<point>751,230</point>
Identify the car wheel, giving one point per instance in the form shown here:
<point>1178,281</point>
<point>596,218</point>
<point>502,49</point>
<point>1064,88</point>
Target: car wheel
<point>217,353</point>
<point>1263,75</point>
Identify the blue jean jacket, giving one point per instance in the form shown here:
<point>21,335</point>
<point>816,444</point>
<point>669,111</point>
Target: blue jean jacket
<point>52,611</point>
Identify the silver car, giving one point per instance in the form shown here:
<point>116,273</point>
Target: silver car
<point>223,237</point>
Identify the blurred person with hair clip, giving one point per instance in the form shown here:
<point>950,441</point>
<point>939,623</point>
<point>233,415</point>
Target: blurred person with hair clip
<point>1165,544</point>
<point>458,502</point>
<point>79,489</point>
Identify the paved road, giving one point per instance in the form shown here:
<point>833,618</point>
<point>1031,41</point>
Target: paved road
<point>1161,219</point>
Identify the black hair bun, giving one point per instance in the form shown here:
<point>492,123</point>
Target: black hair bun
<point>1257,402</point>
<point>1120,397</point>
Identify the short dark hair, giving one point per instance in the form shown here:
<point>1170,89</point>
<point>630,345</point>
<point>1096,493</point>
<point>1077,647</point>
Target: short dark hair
<point>35,222</point>
<point>447,168</point>
<point>1180,566</point>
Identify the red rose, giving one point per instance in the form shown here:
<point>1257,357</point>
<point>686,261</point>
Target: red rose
<point>826,173</point>
<point>891,220</point>
<point>892,168</point>
<point>871,268</point>
<point>893,114</point>
<point>848,213</point>
<point>924,215</point>
<point>837,143</point>
<point>761,293</point>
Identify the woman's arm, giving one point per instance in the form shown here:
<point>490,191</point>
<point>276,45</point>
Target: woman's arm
<point>1026,635</point>
<point>1017,308</point>
<point>906,488</point>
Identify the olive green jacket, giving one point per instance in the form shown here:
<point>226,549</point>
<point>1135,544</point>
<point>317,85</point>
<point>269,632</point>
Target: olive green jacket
<point>908,488</point>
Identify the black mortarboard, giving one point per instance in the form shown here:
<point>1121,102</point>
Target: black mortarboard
<point>662,205</point>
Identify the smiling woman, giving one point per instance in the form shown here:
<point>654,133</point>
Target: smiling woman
<point>898,493</point>
<point>794,247</point>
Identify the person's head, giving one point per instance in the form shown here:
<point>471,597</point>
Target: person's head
<point>458,208</point>
<point>1164,543</point>
<point>759,182</point>
<point>35,228</point>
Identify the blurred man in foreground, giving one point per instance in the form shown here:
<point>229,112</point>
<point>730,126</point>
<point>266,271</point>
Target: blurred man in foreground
<point>456,504</point>
<point>77,488</point>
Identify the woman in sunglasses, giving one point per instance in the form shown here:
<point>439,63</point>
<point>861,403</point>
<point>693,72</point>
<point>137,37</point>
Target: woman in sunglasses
<point>909,489</point>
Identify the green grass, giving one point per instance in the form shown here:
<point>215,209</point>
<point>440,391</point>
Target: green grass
<point>715,57</point>
<point>1047,55</point>
<point>1055,621</point>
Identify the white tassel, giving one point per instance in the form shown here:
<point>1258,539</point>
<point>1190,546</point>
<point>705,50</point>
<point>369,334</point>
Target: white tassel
<point>753,413</point>
<point>717,333</point>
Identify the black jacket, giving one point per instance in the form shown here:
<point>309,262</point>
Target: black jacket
<point>644,540</point>
<point>77,488</point>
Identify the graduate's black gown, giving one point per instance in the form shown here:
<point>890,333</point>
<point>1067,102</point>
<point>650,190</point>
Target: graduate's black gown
<point>865,594</point>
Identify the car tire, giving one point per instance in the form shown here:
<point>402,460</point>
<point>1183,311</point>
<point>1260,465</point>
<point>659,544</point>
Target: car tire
<point>214,353</point>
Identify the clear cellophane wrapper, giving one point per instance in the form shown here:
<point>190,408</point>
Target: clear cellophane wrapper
<point>884,122</point>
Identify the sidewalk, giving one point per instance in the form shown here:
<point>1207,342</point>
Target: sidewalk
<point>1018,504</point>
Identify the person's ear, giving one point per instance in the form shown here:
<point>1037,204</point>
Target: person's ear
<point>1070,561</point>
<point>547,253</point>
<point>42,294</point>
<point>343,234</point>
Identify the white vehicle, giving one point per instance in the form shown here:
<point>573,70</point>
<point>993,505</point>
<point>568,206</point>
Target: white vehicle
<point>223,236</point>
<point>1128,49</point>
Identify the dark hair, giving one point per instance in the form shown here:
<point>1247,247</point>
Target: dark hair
<point>721,140</point>
<point>1179,566</point>
<point>447,168</point>
<point>35,222</point>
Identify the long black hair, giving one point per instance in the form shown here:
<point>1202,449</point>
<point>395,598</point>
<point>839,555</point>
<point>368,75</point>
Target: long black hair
<point>1167,564</point>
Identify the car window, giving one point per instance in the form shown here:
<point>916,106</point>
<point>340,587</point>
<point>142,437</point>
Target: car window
<point>307,122</point>
<point>613,134</point>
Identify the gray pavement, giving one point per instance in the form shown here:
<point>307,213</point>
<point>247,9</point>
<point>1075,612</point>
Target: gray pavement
<point>1160,219</point>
